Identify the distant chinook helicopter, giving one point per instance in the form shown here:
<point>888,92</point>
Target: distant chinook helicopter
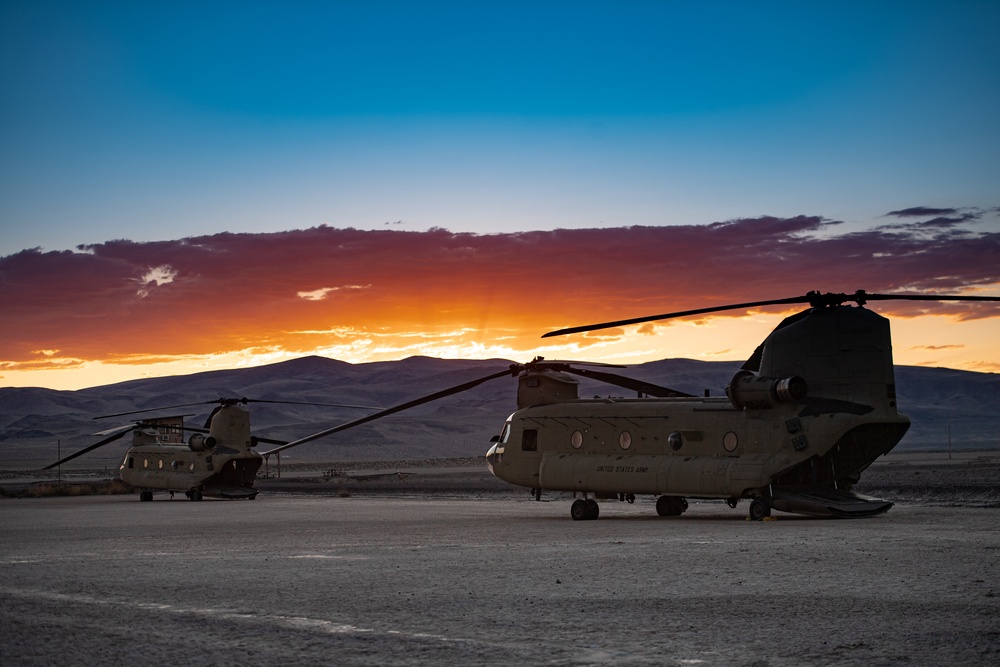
<point>218,460</point>
<point>810,410</point>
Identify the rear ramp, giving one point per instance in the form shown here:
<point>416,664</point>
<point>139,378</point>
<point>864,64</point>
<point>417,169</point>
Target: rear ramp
<point>821,501</point>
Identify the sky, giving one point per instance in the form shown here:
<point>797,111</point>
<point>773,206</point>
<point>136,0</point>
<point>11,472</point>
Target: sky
<point>195,186</point>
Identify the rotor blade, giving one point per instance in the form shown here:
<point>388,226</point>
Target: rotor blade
<point>667,316</point>
<point>91,448</point>
<point>224,401</point>
<point>267,441</point>
<point>165,407</point>
<point>814,299</point>
<point>923,297</point>
<point>143,424</point>
<point>118,429</point>
<point>542,361</point>
<point>628,383</point>
<point>512,370</point>
<point>326,405</point>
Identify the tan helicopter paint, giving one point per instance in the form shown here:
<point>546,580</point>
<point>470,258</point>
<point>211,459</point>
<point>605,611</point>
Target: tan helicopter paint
<point>702,467</point>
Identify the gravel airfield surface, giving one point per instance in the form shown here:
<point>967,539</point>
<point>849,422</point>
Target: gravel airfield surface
<point>449,577</point>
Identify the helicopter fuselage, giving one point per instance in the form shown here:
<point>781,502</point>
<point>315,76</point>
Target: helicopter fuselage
<point>221,472</point>
<point>694,447</point>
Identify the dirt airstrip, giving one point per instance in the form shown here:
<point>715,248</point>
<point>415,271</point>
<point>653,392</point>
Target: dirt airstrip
<point>410,567</point>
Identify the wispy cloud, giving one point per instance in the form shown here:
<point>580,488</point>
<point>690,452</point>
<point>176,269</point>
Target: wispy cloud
<point>156,276</point>
<point>323,292</point>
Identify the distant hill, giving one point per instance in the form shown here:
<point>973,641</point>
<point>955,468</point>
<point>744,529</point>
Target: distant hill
<point>33,420</point>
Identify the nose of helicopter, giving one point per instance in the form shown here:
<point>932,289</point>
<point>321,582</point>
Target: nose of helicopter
<point>493,457</point>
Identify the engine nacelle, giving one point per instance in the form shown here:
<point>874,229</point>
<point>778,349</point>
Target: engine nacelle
<point>199,443</point>
<point>749,391</point>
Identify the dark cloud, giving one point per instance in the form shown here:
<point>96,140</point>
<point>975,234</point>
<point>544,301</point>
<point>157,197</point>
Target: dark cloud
<point>953,221</point>
<point>938,218</point>
<point>771,227</point>
<point>922,212</point>
<point>224,292</point>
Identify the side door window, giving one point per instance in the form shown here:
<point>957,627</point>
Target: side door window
<point>529,440</point>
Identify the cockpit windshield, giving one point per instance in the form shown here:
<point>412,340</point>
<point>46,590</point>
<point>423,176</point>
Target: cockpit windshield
<point>495,455</point>
<point>505,433</point>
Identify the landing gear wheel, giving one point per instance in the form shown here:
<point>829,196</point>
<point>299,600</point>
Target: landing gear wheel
<point>630,498</point>
<point>759,509</point>
<point>145,496</point>
<point>584,509</point>
<point>732,502</point>
<point>671,505</point>
<point>195,495</point>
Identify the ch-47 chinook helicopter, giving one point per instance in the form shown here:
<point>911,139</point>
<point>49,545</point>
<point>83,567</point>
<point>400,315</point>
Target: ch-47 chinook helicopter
<point>810,410</point>
<point>218,460</point>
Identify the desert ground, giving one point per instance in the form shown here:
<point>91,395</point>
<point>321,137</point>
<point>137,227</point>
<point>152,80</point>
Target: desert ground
<point>420,565</point>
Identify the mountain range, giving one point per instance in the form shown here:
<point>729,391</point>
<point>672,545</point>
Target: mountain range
<point>948,407</point>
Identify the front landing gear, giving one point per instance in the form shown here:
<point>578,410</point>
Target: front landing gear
<point>584,509</point>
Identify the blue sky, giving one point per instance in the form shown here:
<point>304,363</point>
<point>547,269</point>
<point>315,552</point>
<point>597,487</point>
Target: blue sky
<point>129,120</point>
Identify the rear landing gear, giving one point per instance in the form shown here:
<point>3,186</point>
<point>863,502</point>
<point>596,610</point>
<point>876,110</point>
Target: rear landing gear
<point>145,496</point>
<point>584,509</point>
<point>759,509</point>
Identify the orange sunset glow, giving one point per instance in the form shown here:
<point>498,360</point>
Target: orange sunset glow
<point>121,310</point>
